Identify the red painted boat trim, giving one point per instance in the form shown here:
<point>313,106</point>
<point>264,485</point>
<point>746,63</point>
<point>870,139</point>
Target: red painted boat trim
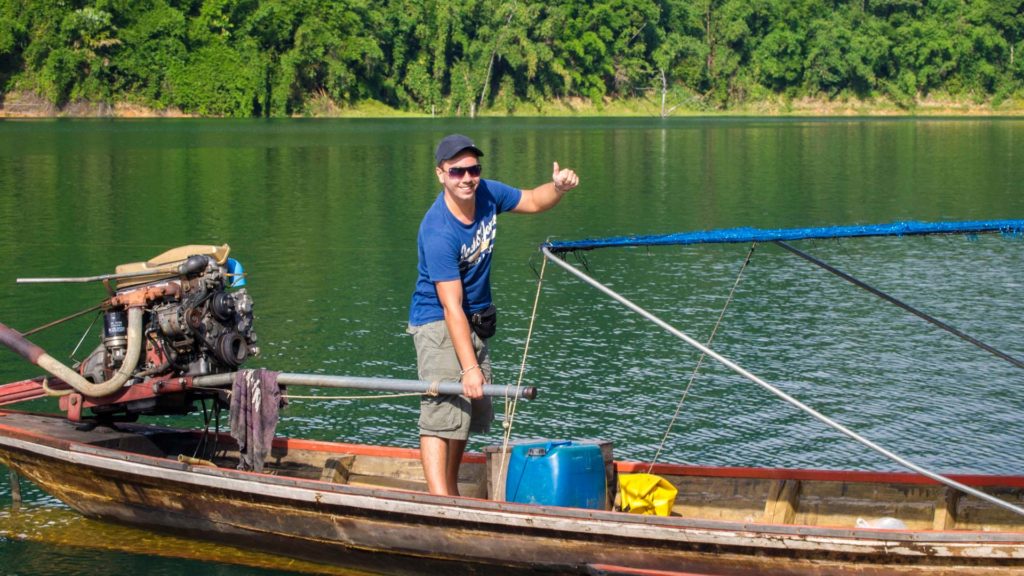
<point>21,391</point>
<point>27,435</point>
<point>363,449</point>
<point>622,467</point>
<point>817,475</point>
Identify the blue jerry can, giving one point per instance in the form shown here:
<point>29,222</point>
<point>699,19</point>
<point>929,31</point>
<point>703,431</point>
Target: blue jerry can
<point>556,473</point>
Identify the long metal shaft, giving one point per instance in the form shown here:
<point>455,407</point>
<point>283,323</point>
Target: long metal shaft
<point>98,278</point>
<point>379,384</point>
<point>895,301</point>
<point>786,397</point>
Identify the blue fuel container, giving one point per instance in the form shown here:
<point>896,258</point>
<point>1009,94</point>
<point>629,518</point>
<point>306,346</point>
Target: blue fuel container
<point>556,473</point>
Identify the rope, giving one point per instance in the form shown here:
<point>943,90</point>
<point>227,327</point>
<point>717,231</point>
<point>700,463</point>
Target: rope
<point>80,340</point>
<point>510,407</point>
<point>703,355</point>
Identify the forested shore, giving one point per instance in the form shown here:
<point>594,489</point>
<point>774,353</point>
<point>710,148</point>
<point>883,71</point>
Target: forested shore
<point>275,58</point>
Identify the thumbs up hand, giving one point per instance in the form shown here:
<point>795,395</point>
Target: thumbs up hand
<point>565,179</point>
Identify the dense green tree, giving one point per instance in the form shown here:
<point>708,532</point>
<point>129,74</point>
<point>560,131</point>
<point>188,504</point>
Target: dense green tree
<point>273,26</point>
<point>604,45</point>
<point>777,56</point>
<point>845,52</point>
<point>218,80</point>
<point>13,38</point>
<point>923,54</point>
<point>503,45</point>
<point>287,57</point>
<point>996,35</point>
<point>729,42</point>
<point>681,53</point>
<point>329,53</point>
<point>151,44</point>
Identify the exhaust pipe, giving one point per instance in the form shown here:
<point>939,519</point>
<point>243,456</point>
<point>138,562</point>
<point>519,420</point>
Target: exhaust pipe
<point>36,355</point>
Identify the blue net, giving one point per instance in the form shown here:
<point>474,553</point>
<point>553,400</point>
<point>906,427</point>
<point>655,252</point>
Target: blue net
<point>737,235</point>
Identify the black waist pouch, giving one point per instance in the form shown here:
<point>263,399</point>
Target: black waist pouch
<point>485,322</point>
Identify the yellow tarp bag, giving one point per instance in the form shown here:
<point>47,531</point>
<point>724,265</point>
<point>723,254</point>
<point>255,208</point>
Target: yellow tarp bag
<point>646,494</point>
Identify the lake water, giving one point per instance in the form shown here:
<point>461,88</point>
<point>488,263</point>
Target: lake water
<point>324,214</point>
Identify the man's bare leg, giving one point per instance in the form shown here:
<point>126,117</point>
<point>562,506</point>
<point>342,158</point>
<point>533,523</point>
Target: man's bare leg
<point>434,452</point>
<point>455,450</point>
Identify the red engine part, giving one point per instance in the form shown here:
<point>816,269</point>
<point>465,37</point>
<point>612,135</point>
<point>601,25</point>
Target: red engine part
<point>22,391</point>
<point>75,403</point>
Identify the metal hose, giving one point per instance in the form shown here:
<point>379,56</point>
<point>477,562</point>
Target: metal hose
<point>36,355</point>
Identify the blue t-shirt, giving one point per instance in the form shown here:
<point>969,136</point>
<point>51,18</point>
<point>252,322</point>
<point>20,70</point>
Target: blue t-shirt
<point>449,250</point>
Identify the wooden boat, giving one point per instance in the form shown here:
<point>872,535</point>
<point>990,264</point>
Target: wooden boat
<point>364,506</point>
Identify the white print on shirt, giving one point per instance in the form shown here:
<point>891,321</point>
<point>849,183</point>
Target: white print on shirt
<point>483,244</point>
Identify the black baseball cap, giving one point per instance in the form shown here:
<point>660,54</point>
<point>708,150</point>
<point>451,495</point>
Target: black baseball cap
<point>451,145</point>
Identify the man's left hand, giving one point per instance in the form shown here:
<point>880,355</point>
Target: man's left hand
<point>565,179</point>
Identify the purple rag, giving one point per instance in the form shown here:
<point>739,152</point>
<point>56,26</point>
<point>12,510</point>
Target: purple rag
<point>255,401</point>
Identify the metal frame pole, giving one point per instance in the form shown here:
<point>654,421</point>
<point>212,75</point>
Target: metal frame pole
<point>379,384</point>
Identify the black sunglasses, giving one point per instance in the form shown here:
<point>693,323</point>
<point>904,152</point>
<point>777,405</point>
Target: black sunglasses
<point>460,171</point>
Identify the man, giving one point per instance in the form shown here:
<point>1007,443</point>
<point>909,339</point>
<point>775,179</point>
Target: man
<point>453,291</point>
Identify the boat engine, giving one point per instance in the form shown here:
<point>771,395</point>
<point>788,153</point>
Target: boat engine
<point>196,320</point>
<point>168,322</point>
<point>180,316</point>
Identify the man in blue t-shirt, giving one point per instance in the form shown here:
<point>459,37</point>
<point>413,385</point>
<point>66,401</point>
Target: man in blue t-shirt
<point>452,316</point>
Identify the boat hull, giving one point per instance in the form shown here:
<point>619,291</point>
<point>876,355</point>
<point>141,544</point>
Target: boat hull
<point>121,478</point>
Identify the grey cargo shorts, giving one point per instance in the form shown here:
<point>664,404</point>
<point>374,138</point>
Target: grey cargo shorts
<point>445,415</point>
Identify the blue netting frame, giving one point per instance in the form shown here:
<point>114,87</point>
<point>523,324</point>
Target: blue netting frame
<point>737,235</point>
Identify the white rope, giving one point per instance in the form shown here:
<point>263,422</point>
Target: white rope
<point>510,407</point>
<point>700,361</point>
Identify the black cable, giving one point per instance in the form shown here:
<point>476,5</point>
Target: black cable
<point>903,305</point>
<point>64,319</point>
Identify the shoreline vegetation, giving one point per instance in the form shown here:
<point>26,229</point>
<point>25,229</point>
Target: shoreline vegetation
<point>28,105</point>
<point>500,58</point>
